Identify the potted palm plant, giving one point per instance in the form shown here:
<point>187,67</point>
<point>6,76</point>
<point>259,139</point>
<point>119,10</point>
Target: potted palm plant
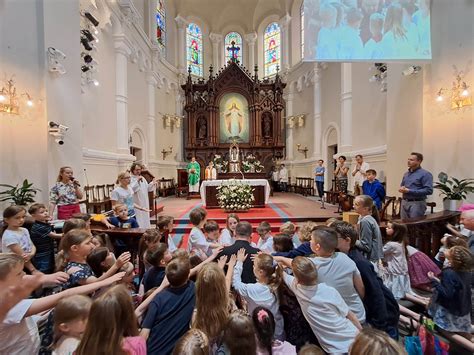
<point>20,194</point>
<point>453,190</point>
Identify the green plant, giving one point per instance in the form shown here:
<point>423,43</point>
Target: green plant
<point>452,188</point>
<point>234,195</point>
<point>19,194</point>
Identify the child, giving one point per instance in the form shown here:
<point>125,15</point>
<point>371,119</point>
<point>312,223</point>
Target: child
<point>326,46</point>
<point>419,264</point>
<point>396,255</point>
<point>211,229</point>
<point>197,240</point>
<point>112,327</point>
<point>282,243</point>
<point>74,223</point>
<point>100,260</point>
<point>239,334</point>
<point>265,242</point>
<point>319,178</point>
<point>373,341</point>
<point>264,324</point>
<point>42,236</point>
<point>169,313</point>
<point>451,300</point>
<point>165,225</point>
<point>158,257</point>
<point>448,241</point>
<point>332,322</point>
<point>194,342</point>
<point>373,188</point>
<point>263,292</point>
<point>289,229</point>
<point>18,331</point>
<point>228,233</point>
<point>149,239</point>
<point>15,238</point>
<point>370,238</point>
<point>76,246</point>
<point>121,218</point>
<point>102,240</point>
<point>372,46</point>
<point>351,46</point>
<point>70,320</point>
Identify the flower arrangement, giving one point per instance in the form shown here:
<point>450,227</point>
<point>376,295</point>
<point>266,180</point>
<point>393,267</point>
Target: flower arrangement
<point>251,164</point>
<point>235,195</point>
<point>220,164</point>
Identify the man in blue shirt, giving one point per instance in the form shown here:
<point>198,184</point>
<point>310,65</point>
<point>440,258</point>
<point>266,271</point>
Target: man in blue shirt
<point>319,177</point>
<point>416,185</point>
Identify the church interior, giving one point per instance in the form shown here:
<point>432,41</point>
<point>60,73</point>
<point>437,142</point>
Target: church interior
<point>181,117</point>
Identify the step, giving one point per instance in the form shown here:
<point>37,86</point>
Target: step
<point>186,228</point>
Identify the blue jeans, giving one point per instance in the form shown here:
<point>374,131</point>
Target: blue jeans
<point>320,187</point>
<point>44,263</point>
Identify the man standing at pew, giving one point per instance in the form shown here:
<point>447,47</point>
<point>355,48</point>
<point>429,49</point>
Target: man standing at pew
<point>416,185</point>
<point>359,174</point>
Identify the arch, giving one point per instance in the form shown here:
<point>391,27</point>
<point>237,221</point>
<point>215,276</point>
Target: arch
<point>137,131</point>
<point>230,37</point>
<point>271,48</point>
<point>332,128</point>
<point>194,52</point>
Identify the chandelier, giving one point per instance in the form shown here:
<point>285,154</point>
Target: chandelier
<point>460,96</point>
<point>10,99</point>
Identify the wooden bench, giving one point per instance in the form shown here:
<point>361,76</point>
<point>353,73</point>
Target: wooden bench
<point>166,187</point>
<point>304,186</point>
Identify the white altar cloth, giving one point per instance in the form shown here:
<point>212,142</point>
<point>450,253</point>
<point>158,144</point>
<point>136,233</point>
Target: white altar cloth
<point>251,182</point>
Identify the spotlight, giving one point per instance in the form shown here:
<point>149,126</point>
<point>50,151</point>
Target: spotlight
<point>95,82</point>
<point>96,32</point>
<point>29,103</point>
<point>86,44</point>
<point>2,98</point>
<point>88,35</point>
<point>91,18</point>
<point>88,58</point>
<point>85,68</point>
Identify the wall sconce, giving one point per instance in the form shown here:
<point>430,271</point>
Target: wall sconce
<point>171,120</point>
<point>165,152</point>
<point>460,96</point>
<point>296,121</point>
<point>302,150</point>
<point>10,100</point>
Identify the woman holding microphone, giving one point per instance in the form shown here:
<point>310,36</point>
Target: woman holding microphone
<point>65,194</point>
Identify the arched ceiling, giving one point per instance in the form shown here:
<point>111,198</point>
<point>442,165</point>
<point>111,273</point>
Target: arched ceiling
<point>220,14</point>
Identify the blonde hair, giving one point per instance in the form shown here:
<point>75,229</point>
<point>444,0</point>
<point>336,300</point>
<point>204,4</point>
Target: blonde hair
<point>70,309</point>
<point>288,228</point>
<point>212,301</point>
<point>118,206</point>
<point>460,258</point>
<point>61,171</point>
<point>194,342</point>
<point>305,271</point>
<point>121,176</point>
<point>7,262</point>
<point>305,231</point>
<point>73,237</point>
<point>372,341</point>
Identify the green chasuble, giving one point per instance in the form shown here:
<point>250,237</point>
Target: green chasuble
<point>193,178</point>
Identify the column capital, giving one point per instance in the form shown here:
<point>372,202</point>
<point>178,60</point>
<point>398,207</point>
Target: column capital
<point>151,80</point>
<point>251,38</point>
<point>215,38</point>
<point>123,45</point>
<point>284,21</point>
<point>181,21</point>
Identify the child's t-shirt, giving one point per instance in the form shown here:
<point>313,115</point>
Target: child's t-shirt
<point>120,223</point>
<point>197,240</point>
<point>20,237</point>
<point>168,317</point>
<point>226,237</point>
<point>66,346</point>
<point>83,273</point>
<point>153,277</point>
<point>39,234</point>
<point>19,334</point>
<point>266,245</point>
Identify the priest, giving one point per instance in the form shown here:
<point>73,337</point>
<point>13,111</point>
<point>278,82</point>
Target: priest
<point>194,173</point>
<point>210,172</point>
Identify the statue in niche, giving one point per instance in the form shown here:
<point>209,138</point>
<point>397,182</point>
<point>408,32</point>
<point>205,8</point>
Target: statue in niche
<point>234,161</point>
<point>267,125</point>
<point>202,128</point>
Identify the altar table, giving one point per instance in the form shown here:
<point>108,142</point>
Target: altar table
<point>261,191</point>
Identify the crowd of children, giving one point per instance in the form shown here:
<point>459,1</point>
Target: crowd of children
<point>227,291</point>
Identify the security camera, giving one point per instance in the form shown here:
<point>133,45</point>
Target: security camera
<point>56,53</point>
<point>58,127</point>
<point>54,58</point>
<point>59,140</point>
<point>411,70</point>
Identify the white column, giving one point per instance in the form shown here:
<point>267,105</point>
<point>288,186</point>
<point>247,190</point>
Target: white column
<point>285,42</point>
<point>151,83</point>
<point>122,51</point>
<point>216,40</point>
<point>179,112</point>
<point>317,134</point>
<point>289,130</point>
<point>182,23</point>
<point>251,38</point>
<point>346,107</point>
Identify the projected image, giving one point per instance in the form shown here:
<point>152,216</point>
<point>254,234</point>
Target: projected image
<point>357,30</point>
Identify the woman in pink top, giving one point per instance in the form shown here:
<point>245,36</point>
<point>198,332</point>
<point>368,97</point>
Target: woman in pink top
<point>264,324</point>
<point>112,326</point>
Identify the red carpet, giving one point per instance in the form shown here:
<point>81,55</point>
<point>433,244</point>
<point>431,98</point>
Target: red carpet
<point>252,213</point>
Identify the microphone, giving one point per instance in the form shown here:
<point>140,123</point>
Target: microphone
<point>243,177</point>
<point>74,181</point>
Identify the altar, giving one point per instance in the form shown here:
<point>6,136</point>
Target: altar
<point>261,192</point>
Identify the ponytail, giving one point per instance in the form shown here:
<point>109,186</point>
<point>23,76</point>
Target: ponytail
<point>264,323</point>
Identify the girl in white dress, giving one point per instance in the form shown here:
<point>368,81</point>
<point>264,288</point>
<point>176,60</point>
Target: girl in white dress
<point>396,277</point>
<point>228,233</point>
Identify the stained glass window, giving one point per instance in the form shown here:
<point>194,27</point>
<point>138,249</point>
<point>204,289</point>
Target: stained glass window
<point>233,37</point>
<point>160,18</point>
<point>302,30</point>
<point>272,50</point>
<point>194,48</point>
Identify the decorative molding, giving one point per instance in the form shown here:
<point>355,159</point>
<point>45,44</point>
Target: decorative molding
<point>251,38</point>
<point>164,163</point>
<point>181,21</point>
<point>366,152</point>
<point>100,157</point>
<point>215,37</point>
<point>130,14</point>
<point>284,21</point>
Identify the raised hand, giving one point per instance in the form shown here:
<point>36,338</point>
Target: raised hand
<point>232,261</point>
<point>123,259</point>
<point>222,261</point>
<point>216,251</point>
<point>57,278</point>
<point>114,278</point>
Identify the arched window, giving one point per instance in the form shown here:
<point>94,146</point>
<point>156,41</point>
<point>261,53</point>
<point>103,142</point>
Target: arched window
<point>194,48</point>
<point>271,43</point>
<point>302,30</point>
<point>160,21</point>
<point>229,38</point>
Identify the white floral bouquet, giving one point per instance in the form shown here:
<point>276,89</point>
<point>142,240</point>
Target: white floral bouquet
<point>235,195</point>
<point>220,164</point>
<point>252,164</point>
